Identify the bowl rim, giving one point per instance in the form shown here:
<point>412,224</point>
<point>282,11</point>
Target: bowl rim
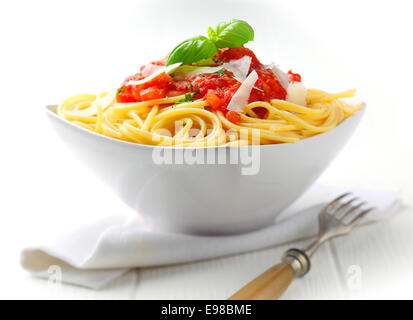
<point>50,110</point>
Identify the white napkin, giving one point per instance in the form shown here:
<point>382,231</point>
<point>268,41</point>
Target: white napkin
<point>95,254</point>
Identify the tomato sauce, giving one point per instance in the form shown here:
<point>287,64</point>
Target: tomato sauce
<point>294,77</point>
<point>217,88</point>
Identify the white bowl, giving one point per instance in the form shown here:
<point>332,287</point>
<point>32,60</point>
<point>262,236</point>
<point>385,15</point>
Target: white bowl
<point>206,198</point>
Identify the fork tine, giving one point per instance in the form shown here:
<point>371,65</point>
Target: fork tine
<point>360,216</point>
<point>336,200</point>
<point>352,210</point>
<point>343,207</point>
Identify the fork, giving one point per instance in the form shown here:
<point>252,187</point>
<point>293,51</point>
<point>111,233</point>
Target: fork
<point>338,218</point>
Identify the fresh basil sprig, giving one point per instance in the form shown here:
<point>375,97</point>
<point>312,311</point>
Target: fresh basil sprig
<point>191,50</point>
<point>230,34</point>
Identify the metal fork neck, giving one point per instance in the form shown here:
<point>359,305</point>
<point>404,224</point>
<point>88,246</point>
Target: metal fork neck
<point>309,250</point>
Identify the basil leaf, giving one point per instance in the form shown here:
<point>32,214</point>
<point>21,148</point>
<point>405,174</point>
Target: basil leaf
<point>231,34</point>
<point>192,50</point>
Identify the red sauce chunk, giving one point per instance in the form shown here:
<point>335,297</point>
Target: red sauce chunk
<point>294,77</point>
<point>216,88</point>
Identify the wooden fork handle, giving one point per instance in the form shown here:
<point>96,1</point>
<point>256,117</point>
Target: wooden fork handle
<point>270,285</point>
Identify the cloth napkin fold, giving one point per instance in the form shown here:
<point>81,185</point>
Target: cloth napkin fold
<point>95,254</point>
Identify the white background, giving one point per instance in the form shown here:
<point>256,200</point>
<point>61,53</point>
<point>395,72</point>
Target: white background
<point>53,49</point>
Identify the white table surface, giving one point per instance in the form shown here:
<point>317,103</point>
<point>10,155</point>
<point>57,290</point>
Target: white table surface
<point>43,186</point>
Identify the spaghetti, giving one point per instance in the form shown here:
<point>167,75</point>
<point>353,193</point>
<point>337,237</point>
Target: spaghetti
<point>210,92</point>
<point>194,123</point>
